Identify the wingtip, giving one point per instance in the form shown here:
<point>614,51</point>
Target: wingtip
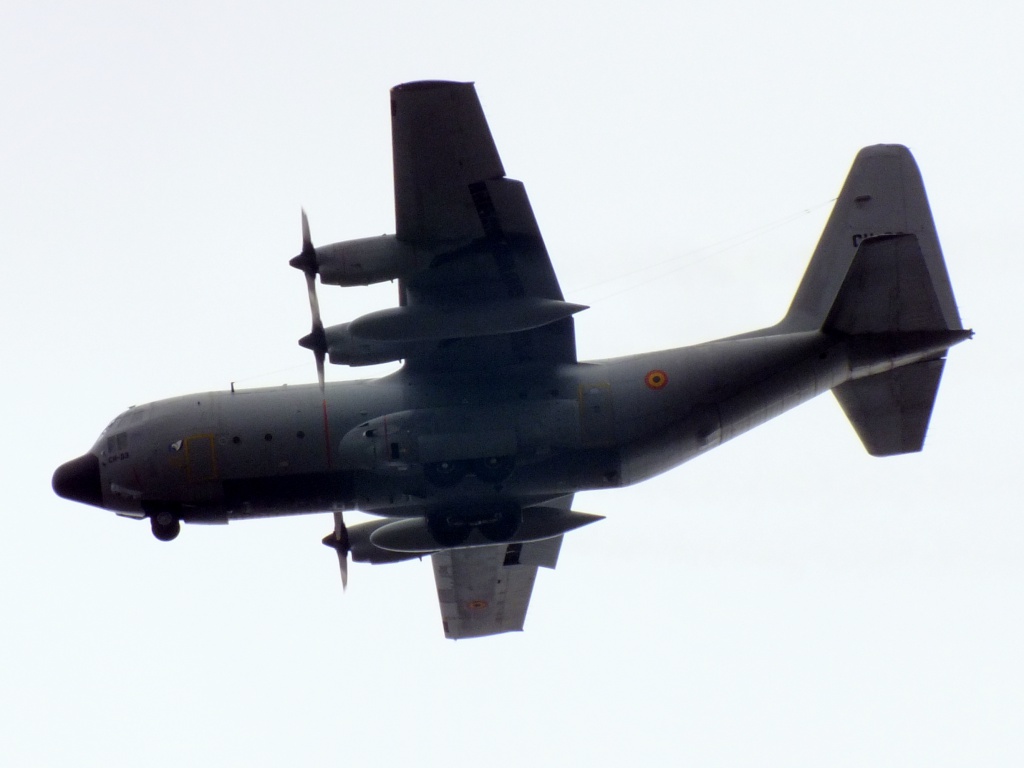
<point>428,85</point>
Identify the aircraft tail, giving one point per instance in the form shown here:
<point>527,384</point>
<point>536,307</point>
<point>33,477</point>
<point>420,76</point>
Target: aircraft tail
<point>882,196</point>
<point>878,273</point>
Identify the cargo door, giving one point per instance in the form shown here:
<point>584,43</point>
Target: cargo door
<point>200,458</point>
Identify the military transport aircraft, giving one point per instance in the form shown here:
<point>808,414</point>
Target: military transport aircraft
<point>471,452</point>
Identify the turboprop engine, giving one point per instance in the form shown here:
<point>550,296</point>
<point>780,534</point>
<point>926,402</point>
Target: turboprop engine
<point>392,334</point>
<point>368,260</point>
<point>346,348</point>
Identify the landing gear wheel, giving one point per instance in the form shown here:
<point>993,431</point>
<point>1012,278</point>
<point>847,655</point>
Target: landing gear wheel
<point>445,474</point>
<point>445,532</point>
<point>504,526</point>
<point>494,469</point>
<point>165,527</point>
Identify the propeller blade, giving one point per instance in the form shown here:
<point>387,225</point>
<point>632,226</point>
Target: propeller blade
<point>307,241</point>
<point>317,337</point>
<point>343,564</point>
<point>306,261</point>
<point>316,340</point>
<point>314,303</point>
<point>338,541</point>
<point>320,369</point>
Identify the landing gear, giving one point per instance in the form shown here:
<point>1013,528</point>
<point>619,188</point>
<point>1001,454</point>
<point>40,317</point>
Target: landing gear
<point>165,531</point>
<point>448,530</point>
<point>452,527</point>
<point>445,474</point>
<point>494,469</point>
<point>165,523</point>
<point>504,524</point>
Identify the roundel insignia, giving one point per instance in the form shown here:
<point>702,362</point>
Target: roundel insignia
<point>656,379</point>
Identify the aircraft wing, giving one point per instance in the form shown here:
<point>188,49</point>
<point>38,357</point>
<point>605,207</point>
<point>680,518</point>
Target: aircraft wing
<point>489,266</point>
<point>486,590</point>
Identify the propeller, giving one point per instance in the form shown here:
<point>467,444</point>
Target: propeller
<point>338,541</point>
<point>316,340</point>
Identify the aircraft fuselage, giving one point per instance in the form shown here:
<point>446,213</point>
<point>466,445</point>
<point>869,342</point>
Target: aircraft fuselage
<point>392,445</point>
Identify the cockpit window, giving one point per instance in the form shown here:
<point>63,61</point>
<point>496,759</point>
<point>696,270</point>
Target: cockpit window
<point>117,443</point>
<point>134,415</point>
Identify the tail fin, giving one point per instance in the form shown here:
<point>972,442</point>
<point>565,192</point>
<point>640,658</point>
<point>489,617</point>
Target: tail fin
<point>889,289</point>
<point>878,271</point>
<point>882,196</point>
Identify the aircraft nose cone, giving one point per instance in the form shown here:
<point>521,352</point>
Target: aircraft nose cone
<point>79,480</point>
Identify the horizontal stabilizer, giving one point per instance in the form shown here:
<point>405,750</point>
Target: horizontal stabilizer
<point>890,411</point>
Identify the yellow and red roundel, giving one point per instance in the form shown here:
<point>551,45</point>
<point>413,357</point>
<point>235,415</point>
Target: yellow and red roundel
<point>656,379</point>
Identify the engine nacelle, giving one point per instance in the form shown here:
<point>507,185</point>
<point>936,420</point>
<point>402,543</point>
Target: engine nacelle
<point>363,550</point>
<point>414,536</point>
<point>368,260</point>
<point>345,348</point>
<point>393,334</point>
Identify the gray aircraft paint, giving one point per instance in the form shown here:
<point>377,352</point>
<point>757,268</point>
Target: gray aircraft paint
<point>492,425</point>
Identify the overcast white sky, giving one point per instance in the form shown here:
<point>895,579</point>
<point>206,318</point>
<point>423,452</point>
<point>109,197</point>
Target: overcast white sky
<point>784,601</point>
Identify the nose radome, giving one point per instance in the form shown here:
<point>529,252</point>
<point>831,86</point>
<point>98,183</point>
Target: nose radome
<point>79,480</point>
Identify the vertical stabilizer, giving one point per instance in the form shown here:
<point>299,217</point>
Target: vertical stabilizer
<point>882,196</point>
<point>888,289</point>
